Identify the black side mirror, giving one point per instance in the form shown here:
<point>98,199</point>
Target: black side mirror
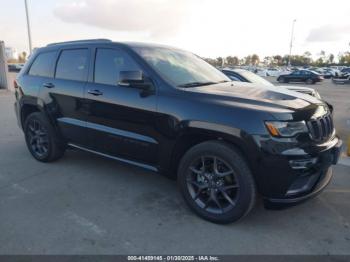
<point>128,78</point>
<point>136,79</point>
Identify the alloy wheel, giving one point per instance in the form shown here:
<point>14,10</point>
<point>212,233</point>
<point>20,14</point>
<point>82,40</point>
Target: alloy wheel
<point>37,138</point>
<point>212,184</point>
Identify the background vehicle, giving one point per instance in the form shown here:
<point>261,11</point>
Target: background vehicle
<point>15,67</point>
<point>307,76</point>
<point>260,72</point>
<point>242,75</point>
<point>345,71</point>
<point>273,72</point>
<point>169,111</point>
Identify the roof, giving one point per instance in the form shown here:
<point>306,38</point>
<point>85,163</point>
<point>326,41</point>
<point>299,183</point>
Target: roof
<point>108,41</point>
<point>86,41</point>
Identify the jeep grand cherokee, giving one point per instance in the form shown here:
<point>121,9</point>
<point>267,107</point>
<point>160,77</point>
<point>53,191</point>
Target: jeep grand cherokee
<point>169,111</point>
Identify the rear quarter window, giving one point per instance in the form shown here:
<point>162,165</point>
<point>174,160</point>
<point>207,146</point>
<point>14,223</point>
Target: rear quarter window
<point>43,65</point>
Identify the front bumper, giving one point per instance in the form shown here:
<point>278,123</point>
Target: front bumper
<point>292,200</point>
<point>284,183</point>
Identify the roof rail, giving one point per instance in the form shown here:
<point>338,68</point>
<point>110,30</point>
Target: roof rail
<point>81,41</point>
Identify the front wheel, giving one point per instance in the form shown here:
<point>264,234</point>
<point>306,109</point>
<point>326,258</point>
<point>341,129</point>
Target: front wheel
<point>282,80</point>
<point>216,182</point>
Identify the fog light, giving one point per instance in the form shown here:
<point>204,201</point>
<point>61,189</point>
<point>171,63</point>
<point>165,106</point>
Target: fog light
<point>302,163</point>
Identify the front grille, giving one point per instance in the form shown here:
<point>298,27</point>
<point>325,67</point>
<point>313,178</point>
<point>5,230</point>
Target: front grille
<point>322,128</point>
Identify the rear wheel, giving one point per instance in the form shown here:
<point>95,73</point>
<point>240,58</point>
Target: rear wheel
<point>42,140</point>
<point>216,182</point>
<point>310,81</point>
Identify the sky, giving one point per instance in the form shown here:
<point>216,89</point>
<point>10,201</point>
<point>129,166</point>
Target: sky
<point>209,28</point>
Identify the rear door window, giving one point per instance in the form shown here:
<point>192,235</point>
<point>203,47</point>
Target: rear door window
<point>43,65</point>
<point>73,65</point>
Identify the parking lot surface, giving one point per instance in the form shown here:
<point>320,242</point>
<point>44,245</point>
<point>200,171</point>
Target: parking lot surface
<point>85,204</point>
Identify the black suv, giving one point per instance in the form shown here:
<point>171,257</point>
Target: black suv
<point>169,111</point>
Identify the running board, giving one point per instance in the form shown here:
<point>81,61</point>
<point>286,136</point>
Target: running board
<point>149,167</point>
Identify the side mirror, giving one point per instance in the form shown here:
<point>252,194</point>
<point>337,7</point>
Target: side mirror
<point>130,78</point>
<point>136,79</point>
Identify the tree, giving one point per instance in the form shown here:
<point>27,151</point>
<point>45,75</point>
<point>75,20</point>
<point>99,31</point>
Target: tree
<point>219,61</point>
<point>22,58</point>
<point>331,58</point>
<point>255,59</point>
<point>248,60</point>
<point>277,60</point>
<point>232,60</point>
<point>344,58</point>
<point>307,54</point>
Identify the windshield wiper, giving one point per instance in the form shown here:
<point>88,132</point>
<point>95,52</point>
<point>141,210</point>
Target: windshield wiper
<point>194,84</point>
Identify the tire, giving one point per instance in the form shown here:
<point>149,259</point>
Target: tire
<point>42,140</point>
<point>204,192</point>
<point>283,80</point>
<point>310,81</point>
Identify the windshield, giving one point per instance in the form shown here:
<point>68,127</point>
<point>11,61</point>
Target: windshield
<point>254,78</point>
<point>181,68</point>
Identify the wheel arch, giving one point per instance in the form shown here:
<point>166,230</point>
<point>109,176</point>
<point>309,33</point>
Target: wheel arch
<point>27,108</point>
<point>197,134</point>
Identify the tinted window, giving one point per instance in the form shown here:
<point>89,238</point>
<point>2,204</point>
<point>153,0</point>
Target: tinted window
<point>180,67</point>
<point>43,65</point>
<point>108,64</point>
<point>233,78</point>
<point>73,64</point>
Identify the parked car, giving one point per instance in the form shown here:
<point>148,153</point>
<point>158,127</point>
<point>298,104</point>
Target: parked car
<point>169,111</point>
<point>345,71</point>
<point>273,72</point>
<point>327,73</point>
<point>307,76</point>
<point>242,75</point>
<point>14,68</point>
<point>342,80</point>
<point>259,72</point>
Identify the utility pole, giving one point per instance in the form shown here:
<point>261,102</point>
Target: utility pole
<point>28,27</point>
<point>291,42</point>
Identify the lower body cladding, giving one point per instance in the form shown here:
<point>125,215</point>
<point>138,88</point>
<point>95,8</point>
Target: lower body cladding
<point>286,180</point>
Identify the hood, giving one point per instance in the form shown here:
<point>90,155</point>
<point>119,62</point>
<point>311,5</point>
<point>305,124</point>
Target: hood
<point>255,95</point>
<point>303,89</point>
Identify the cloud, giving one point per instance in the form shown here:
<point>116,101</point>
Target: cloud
<point>329,33</point>
<point>157,17</point>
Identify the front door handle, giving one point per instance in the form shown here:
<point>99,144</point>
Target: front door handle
<point>49,85</point>
<point>95,92</point>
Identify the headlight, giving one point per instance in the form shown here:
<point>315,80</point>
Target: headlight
<point>286,129</point>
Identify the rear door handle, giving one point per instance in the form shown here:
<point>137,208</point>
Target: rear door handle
<point>48,85</point>
<point>95,92</point>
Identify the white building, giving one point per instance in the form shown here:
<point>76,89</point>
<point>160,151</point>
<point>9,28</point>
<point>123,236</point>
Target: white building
<point>11,53</point>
